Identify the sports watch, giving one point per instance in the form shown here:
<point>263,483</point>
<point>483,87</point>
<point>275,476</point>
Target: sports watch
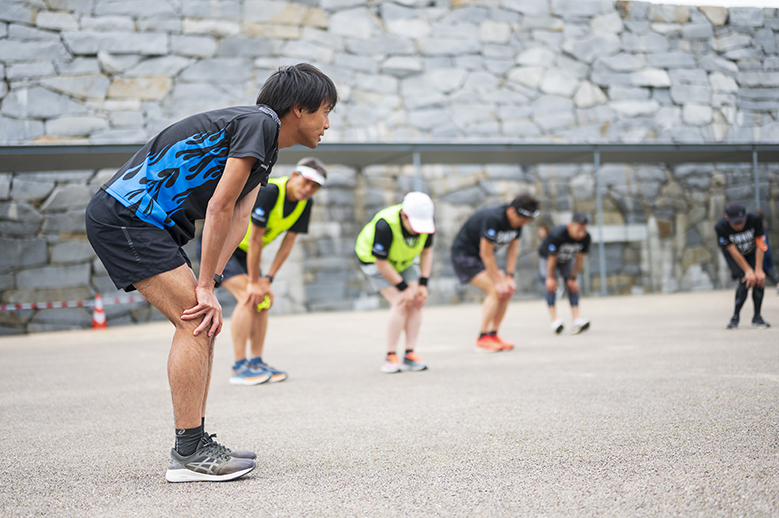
<point>218,278</point>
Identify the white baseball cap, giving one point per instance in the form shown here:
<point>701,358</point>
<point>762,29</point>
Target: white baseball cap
<point>418,207</point>
<point>310,173</point>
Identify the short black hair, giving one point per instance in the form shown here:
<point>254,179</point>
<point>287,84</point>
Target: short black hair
<point>526,203</point>
<point>298,86</point>
<point>581,218</point>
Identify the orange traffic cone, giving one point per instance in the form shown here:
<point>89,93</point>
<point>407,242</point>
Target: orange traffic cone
<point>98,314</point>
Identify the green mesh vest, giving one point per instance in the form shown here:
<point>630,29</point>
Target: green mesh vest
<point>277,223</point>
<point>401,255</point>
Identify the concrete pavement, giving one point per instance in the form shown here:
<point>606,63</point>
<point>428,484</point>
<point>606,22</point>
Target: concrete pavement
<point>656,411</point>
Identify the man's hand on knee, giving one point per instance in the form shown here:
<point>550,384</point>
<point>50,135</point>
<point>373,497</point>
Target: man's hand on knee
<point>209,309</point>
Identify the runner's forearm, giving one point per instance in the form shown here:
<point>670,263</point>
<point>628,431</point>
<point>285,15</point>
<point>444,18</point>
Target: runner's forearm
<point>759,259</point>
<point>577,266</point>
<point>284,250</point>
<point>512,254</point>
<point>426,262</point>
<point>254,254</point>
<point>389,273</point>
<point>551,264</point>
<point>740,259</point>
<point>487,255</point>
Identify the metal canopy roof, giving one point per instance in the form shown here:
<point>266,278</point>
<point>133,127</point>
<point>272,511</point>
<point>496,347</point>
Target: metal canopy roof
<point>68,157</point>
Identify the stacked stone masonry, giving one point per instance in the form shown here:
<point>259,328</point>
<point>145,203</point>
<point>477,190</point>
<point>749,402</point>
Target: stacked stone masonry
<point>100,71</point>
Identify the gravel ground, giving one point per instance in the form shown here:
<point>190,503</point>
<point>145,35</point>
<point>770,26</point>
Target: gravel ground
<point>656,411</point>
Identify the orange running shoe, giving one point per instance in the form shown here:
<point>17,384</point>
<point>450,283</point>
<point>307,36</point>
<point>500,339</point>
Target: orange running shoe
<point>504,345</point>
<point>486,344</point>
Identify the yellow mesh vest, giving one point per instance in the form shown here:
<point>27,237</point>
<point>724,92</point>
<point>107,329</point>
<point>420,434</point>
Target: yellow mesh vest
<point>401,256</point>
<point>277,223</point>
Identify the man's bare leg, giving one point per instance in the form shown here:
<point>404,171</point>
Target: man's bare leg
<point>413,321</point>
<point>259,329</point>
<point>491,305</point>
<point>397,317</point>
<point>241,320</point>
<point>189,361</point>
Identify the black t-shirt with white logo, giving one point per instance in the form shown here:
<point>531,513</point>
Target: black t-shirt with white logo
<point>266,200</point>
<point>382,239</point>
<point>491,224</point>
<point>744,239</point>
<point>558,242</point>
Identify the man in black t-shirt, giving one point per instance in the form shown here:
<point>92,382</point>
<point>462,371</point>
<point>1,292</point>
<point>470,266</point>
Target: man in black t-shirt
<point>741,238</point>
<point>473,258</point>
<point>208,166</point>
<point>563,251</point>
<point>284,205</point>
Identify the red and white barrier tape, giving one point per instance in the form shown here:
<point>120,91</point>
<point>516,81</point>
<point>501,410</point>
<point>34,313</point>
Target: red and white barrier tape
<point>71,303</point>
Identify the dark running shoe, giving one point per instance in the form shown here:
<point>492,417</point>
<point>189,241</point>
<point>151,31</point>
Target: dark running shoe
<point>238,454</point>
<point>733,324</point>
<point>759,322</point>
<point>208,464</point>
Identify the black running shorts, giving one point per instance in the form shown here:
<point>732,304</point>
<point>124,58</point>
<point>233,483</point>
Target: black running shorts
<point>131,249</point>
<point>735,270</point>
<point>236,265</point>
<point>467,267</point>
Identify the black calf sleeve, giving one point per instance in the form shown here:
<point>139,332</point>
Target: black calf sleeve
<point>741,297</point>
<point>757,299</point>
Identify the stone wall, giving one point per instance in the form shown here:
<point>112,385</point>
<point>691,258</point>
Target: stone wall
<point>658,220</point>
<point>411,70</point>
<point>104,71</point>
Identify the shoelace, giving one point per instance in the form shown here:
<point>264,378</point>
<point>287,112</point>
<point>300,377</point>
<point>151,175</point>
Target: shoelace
<point>209,442</point>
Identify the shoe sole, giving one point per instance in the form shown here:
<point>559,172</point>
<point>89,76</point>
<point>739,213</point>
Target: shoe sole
<point>248,382</point>
<point>277,378</point>
<point>486,350</point>
<point>186,475</point>
<point>761,326</point>
<point>578,330</point>
<point>385,371</point>
<point>559,329</point>
<point>416,368</point>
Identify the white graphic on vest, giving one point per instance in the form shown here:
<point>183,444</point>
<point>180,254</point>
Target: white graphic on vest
<point>744,241</point>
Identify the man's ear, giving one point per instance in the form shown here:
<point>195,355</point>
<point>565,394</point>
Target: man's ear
<point>298,111</point>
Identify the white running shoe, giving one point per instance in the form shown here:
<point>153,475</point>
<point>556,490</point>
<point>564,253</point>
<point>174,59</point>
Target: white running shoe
<point>557,326</point>
<point>579,325</point>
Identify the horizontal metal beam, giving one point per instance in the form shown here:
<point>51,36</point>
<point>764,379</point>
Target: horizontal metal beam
<point>69,157</point>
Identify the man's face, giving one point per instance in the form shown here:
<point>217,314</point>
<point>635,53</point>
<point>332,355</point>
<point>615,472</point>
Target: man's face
<point>300,188</point>
<point>516,220</point>
<point>577,231</point>
<point>737,226</point>
<point>406,224</point>
<point>312,126</point>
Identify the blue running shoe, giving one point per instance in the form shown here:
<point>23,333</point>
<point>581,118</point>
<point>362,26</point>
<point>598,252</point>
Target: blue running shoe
<point>245,374</point>
<point>275,374</point>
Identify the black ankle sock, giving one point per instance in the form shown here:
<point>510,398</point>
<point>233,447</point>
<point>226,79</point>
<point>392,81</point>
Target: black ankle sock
<point>391,354</point>
<point>187,440</point>
<point>492,333</point>
<point>409,351</point>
